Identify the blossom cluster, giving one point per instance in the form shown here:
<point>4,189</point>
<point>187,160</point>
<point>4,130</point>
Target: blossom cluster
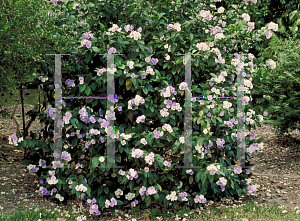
<point>94,210</point>
<point>70,83</point>
<point>213,169</point>
<point>176,26</point>
<point>13,140</point>
<point>85,41</point>
<point>81,188</point>
<point>222,182</point>
<point>41,78</point>
<point>135,101</point>
<point>150,191</point>
<point>111,203</point>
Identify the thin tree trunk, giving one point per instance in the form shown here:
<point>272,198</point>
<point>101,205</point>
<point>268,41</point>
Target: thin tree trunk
<point>14,117</point>
<point>24,128</point>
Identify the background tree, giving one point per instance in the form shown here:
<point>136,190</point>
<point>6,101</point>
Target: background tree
<point>21,45</point>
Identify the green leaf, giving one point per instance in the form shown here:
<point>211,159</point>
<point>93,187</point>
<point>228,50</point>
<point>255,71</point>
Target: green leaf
<point>74,121</point>
<point>130,116</point>
<point>106,190</point>
<point>59,186</point>
<point>156,196</point>
<point>170,176</point>
<point>88,78</point>
<point>82,87</point>
<point>88,56</point>
<point>239,191</point>
<point>157,73</point>
<point>198,176</point>
<point>74,142</point>
<point>211,178</point>
<point>88,90</point>
<point>95,162</point>
<point>191,179</point>
<point>160,189</point>
<point>145,90</point>
<point>203,177</point>
<point>95,49</point>
<point>148,200</point>
<point>191,36</point>
<point>231,184</point>
<point>165,65</point>
<point>131,184</point>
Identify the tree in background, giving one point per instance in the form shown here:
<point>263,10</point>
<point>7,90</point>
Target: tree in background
<point>22,47</point>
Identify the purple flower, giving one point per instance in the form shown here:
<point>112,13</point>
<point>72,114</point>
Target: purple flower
<point>54,190</point>
<point>197,127</point>
<point>209,114</point>
<point>147,59</point>
<point>49,131</point>
<point>233,41</point>
<point>133,75</point>
<point>146,169</point>
<point>112,50</point>
<point>154,61</point>
<point>265,113</point>
<point>144,76</point>
<point>41,181</point>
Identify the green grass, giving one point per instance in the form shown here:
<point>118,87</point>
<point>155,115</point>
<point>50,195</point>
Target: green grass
<point>249,211</point>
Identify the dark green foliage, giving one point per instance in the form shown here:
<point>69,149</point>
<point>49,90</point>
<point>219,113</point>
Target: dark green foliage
<point>282,95</point>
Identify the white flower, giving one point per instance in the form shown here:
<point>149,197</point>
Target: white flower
<point>136,35</point>
<point>129,196</point>
<point>221,10</point>
<point>167,57</point>
<point>246,17</point>
<point>118,192</point>
<point>271,64</point>
<point>202,46</point>
<point>235,62</point>
<point>101,159</point>
<point>273,26</point>
<point>219,36</point>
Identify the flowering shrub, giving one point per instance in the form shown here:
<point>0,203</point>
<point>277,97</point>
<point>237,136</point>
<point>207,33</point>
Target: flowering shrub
<point>144,135</point>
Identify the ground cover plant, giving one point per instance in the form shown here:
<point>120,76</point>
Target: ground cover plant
<point>151,179</point>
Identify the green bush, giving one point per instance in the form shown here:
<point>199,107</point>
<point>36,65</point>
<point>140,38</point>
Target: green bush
<point>281,96</point>
<point>214,150</point>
